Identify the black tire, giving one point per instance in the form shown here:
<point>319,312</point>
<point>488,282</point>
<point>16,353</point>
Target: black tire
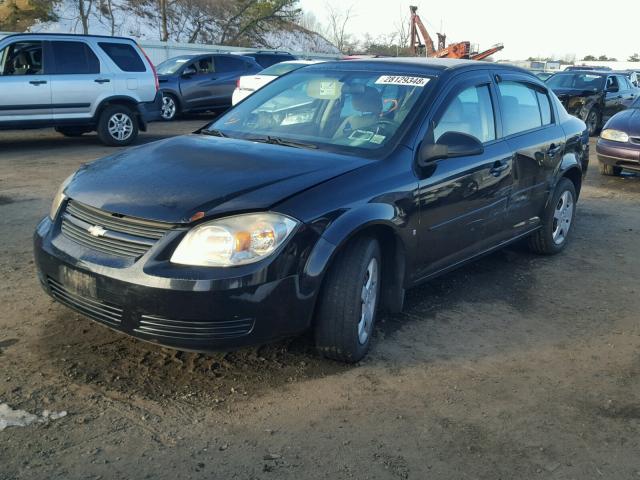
<point>340,308</point>
<point>115,112</point>
<point>543,240</point>
<point>71,132</point>
<point>167,97</point>
<point>593,121</point>
<point>610,170</point>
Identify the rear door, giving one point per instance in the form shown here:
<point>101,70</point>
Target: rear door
<point>25,87</point>
<point>531,129</point>
<point>612,98</point>
<point>78,80</point>
<point>463,200</point>
<point>229,69</point>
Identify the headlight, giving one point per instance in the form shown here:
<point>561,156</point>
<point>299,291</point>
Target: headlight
<point>236,240</point>
<point>614,135</point>
<point>59,197</point>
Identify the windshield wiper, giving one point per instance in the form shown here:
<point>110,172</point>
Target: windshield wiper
<point>213,132</point>
<point>282,141</point>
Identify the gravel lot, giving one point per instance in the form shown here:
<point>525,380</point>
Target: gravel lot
<point>517,366</point>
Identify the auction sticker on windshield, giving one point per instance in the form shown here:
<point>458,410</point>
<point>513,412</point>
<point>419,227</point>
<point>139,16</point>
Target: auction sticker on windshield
<point>402,80</point>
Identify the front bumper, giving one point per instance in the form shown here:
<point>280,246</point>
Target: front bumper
<point>197,314</point>
<point>625,155</point>
<point>150,111</point>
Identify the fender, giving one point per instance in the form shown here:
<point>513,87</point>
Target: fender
<point>570,167</point>
<point>381,216</point>
<point>120,99</point>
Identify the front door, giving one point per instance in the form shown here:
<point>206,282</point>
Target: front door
<point>25,89</point>
<point>463,200</point>
<point>197,83</point>
<point>77,83</point>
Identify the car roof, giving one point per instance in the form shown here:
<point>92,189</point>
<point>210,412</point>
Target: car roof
<point>73,35</point>
<point>602,73</point>
<point>421,64</point>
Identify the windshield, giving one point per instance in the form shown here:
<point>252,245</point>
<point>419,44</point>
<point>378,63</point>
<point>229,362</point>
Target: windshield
<point>348,111</point>
<point>578,81</point>
<point>171,66</point>
<point>281,68</point>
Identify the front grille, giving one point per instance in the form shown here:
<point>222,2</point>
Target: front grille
<point>92,308</point>
<point>178,329</point>
<point>114,235</point>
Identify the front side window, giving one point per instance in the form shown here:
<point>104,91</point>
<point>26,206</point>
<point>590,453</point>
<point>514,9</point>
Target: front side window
<point>22,58</point>
<point>520,109</point>
<point>612,83</point>
<point>345,111</point>
<point>470,112</point>
<point>124,56</point>
<point>74,58</point>
<point>202,66</point>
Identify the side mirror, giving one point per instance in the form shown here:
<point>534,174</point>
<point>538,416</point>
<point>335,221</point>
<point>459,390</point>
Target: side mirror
<point>449,145</point>
<point>188,72</point>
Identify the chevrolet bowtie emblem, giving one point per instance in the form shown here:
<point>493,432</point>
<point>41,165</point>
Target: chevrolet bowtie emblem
<point>97,231</point>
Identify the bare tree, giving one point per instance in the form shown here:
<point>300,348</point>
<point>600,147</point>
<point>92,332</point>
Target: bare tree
<point>163,10</point>
<point>338,19</point>
<point>84,12</point>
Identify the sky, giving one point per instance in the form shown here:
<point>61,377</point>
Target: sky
<point>547,28</point>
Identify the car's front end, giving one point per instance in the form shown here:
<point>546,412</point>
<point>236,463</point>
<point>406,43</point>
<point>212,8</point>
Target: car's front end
<point>619,142</point>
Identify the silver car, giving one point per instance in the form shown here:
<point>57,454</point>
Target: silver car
<point>77,84</point>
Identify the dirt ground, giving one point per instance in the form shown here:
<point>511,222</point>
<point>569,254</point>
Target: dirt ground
<point>514,367</point>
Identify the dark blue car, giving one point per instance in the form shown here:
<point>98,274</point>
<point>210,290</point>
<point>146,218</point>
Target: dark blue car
<point>200,83</point>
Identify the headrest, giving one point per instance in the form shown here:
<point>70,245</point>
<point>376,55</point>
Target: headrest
<point>369,101</point>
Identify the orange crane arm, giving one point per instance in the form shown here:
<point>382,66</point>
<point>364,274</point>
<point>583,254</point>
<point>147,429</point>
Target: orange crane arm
<point>416,24</point>
<point>487,53</point>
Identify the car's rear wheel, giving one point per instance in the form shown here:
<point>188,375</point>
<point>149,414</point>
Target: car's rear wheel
<point>593,121</point>
<point>71,132</point>
<point>610,170</point>
<point>117,126</point>
<point>169,107</point>
<point>557,220</point>
<point>349,302</point>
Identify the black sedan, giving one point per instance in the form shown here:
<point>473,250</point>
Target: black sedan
<point>200,83</point>
<point>314,204</point>
<point>593,96</point>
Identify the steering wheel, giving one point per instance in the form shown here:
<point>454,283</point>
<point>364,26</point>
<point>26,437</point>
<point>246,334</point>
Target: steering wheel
<point>386,125</point>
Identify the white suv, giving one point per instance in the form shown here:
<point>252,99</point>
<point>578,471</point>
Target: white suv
<point>77,84</point>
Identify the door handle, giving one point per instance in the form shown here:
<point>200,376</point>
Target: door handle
<point>553,149</point>
<point>38,82</point>
<point>499,166</point>
<point>102,80</point>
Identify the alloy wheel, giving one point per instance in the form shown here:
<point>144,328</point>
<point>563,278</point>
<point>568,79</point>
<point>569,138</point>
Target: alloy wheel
<point>168,108</point>
<point>368,298</point>
<point>562,217</point>
<point>120,126</point>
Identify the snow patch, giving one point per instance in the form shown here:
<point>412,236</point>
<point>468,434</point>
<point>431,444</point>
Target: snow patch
<point>20,418</point>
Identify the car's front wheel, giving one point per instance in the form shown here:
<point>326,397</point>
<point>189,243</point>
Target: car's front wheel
<point>593,122</point>
<point>117,126</point>
<point>349,301</point>
<point>169,107</point>
<point>557,220</point>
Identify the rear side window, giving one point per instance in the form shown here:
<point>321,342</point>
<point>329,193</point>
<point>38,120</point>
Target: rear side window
<point>520,108</point>
<point>74,58</point>
<point>470,112</point>
<point>230,64</point>
<point>545,108</point>
<point>124,56</point>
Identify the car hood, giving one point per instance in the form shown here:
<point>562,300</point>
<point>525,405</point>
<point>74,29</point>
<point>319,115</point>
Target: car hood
<point>627,121</point>
<point>172,179</point>
<point>565,93</point>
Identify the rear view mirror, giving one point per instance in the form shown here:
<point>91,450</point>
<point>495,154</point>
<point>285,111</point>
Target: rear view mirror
<point>449,145</point>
